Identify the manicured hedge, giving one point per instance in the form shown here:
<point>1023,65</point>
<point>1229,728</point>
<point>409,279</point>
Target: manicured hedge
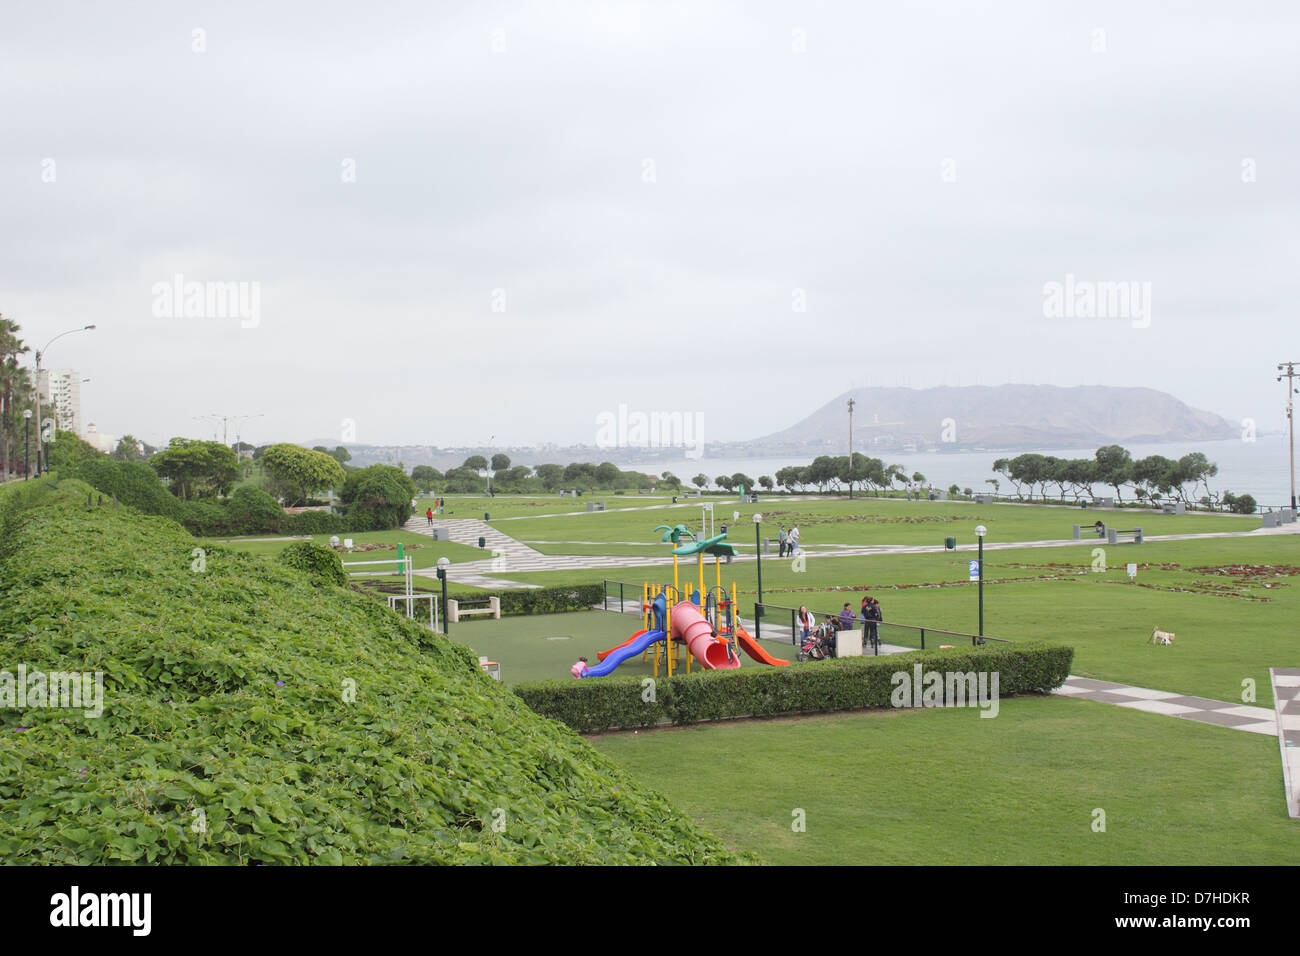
<point>597,704</point>
<point>554,600</point>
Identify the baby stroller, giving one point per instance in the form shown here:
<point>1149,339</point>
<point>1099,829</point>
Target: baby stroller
<point>820,643</point>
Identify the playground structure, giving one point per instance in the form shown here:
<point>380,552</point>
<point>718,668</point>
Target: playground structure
<point>705,623</point>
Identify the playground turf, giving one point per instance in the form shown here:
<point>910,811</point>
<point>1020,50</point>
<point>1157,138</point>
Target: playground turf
<point>949,787</point>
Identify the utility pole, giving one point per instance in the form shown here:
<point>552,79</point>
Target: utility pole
<point>851,404</point>
<point>1289,373</point>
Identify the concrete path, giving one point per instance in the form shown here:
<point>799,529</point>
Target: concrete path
<point>1255,720</point>
<point>1286,703</point>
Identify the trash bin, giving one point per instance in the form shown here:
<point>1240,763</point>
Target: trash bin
<point>487,516</point>
<point>482,541</point>
<point>950,543</point>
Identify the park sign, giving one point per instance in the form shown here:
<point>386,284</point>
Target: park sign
<point>974,570</point>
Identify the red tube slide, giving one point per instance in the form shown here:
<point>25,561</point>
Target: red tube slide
<point>690,626</point>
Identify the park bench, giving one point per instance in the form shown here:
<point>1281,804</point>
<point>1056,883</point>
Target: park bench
<point>1112,535</point>
<point>1174,508</point>
<point>595,506</point>
<point>984,499</point>
<point>1081,529</point>
<point>457,609</point>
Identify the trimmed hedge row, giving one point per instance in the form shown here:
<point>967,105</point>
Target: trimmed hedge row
<point>552,600</point>
<point>598,704</point>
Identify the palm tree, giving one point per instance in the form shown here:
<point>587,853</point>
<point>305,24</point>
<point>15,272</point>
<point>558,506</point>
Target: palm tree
<point>15,389</point>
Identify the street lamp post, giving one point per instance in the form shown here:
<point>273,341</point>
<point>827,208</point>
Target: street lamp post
<point>39,353</point>
<point>758,550</point>
<point>443,564</point>
<point>1289,373</point>
<point>980,531</point>
<point>851,404</point>
<point>27,444</point>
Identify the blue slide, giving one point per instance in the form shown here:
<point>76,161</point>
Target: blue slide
<point>620,654</point>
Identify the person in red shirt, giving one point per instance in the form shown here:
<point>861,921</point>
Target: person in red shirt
<point>429,515</point>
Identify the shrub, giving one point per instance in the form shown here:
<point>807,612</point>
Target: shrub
<point>322,564</point>
<point>253,511</point>
<point>597,704</point>
<point>552,600</point>
<point>135,484</point>
<point>382,492</point>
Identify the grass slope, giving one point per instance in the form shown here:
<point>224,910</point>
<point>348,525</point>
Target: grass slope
<point>227,736</point>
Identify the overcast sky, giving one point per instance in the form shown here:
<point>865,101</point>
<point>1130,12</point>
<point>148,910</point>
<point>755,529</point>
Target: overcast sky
<point>649,191</point>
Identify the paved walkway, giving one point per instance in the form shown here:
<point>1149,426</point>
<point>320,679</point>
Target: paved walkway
<point>1286,702</point>
<point>1256,720</point>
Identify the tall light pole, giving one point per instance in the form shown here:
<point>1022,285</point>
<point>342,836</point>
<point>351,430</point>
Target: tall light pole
<point>443,564</point>
<point>851,404</point>
<point>1288,372</point>
<point>27,444</point>
<point>39,353</point>
<point>980,531</point>
<point>758,550</point>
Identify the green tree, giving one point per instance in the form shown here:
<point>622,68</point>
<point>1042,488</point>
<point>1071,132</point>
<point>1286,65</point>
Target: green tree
<point>475,462</point>
<point>500,462</point>
<point>341,455</point>
<point>669,480</point>
<point>740,479</point>
<point>297,473</point>
<point>196,468</point>
<point>1114,467</point>
<point>724,482</point>
<point>381,492</point>
<point>607,475</point>
<point>129,448</point>
<point>16,395</point>
<point>765,482</point>
<point>700,481</point>
<point>426,477</point>
<point>551,476</point>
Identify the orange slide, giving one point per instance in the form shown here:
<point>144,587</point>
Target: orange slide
<point>750,647</point>
<point>604,654</point>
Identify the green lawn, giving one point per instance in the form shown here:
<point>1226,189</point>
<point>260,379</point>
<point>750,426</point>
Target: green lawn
<point>544,646</point>
<point>1229,628</point>
<point>424,551</point>
<point>862,521</point>
<point>948,787</point>
<point>505,506</point>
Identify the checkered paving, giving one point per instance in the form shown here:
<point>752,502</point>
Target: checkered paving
<point>1286,703</point>
<point>1255,720</point>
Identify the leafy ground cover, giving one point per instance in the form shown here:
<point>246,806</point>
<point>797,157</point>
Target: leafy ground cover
<point>253,716</point>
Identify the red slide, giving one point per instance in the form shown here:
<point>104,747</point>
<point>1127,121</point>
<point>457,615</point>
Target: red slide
<point>604,654</point>
<point>750,647</point>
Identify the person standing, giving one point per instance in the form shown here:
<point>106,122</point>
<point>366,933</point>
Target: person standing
<point>429,516</point>
<point>793,540</point>
<point>804,623</point>
<point>781,541</point>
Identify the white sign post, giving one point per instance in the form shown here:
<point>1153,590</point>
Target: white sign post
<point>1132,571</point>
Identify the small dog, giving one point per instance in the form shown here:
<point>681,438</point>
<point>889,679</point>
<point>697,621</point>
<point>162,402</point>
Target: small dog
<point>1162,637</point>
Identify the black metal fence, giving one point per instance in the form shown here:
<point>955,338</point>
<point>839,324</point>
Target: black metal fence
<point>778,620</point>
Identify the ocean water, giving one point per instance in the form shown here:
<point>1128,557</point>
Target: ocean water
<point>1260,468</point>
